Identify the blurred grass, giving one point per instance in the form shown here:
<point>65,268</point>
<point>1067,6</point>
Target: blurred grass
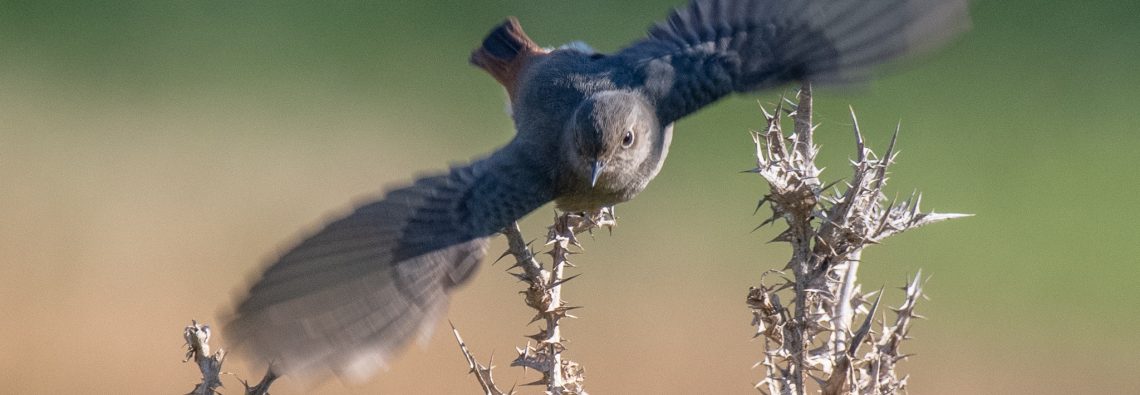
<point>154,154</point>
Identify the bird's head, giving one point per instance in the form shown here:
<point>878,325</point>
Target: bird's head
<point>612,135</point>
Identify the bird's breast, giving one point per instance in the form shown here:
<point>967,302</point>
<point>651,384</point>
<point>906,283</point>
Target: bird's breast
<point>586,198</point>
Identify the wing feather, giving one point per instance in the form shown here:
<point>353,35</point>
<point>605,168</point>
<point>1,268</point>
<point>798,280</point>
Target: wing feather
<point>712,48</point>
<point>350,296</point>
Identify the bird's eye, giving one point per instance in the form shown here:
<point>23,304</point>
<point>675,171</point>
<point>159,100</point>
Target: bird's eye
<point>627,139</point>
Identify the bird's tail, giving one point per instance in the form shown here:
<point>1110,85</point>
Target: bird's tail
<point>356,292</point>
<point>505,52</point>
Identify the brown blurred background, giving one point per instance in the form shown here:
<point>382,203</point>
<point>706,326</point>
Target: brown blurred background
<point>153,155</point>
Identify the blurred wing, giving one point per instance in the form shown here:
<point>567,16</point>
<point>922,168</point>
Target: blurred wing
<point>712,48</point>
<point>357,291</point>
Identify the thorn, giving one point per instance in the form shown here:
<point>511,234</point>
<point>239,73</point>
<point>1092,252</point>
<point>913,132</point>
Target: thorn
<point>766,222</point>
<point>779,108</point>
<point>537,382</point>
<point>885,219</point>
<point>535,318</point>
<point>889,157</point>
<point>859,143</point>
<point>540,337</point>
<point>760,204</point>
<point>505,253</point>
<point>785,236</point>
<point>865,328</point>
<point>563,281</point>
<point>767,115</point>
<point>791,103</point>
<point>829,185</point>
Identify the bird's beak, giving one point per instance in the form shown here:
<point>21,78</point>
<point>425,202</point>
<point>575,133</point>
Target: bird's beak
<point>596,171</point>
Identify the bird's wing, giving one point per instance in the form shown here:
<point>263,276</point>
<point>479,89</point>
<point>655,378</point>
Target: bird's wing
<point>357,291</point>
<point>712,48</point>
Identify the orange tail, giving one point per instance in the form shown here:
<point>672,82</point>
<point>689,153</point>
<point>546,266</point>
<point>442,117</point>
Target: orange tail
<point>505,53</point>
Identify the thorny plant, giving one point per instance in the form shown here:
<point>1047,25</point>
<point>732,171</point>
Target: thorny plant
<point>544,294</point>
<point>814,335</point>
<point>560,376</point>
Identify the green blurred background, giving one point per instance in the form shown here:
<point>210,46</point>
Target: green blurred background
<point>154,154</point>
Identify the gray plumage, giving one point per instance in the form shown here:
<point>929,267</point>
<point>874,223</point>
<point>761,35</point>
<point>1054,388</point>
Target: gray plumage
<point>358,290</point>
<point>592,131</point>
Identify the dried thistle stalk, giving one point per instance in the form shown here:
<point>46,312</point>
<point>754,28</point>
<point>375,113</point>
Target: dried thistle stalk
<point>813,336</point>
<point>197,338</point>
<point>560,376</point>
<point>482,372</point>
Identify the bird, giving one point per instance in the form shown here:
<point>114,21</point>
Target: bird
<point>592,130</point>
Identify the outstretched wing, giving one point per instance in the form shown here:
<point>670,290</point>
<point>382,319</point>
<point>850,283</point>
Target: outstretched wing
<point>357,291</point>
<point>712,48</point>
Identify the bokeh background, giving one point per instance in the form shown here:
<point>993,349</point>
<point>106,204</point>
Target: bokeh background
<point>155,154</point>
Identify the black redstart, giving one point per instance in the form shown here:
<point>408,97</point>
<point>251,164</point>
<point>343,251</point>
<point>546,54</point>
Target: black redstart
<point>592,130</point>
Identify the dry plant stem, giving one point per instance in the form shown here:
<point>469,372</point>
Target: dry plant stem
<point>815,337</point>
<point>482,372</point>
<point>799,185</point>
<point>544,295</point>
<point>555,310</point>
<point>197,338</point>
<point>198,348</point>
<point>849,272</point>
